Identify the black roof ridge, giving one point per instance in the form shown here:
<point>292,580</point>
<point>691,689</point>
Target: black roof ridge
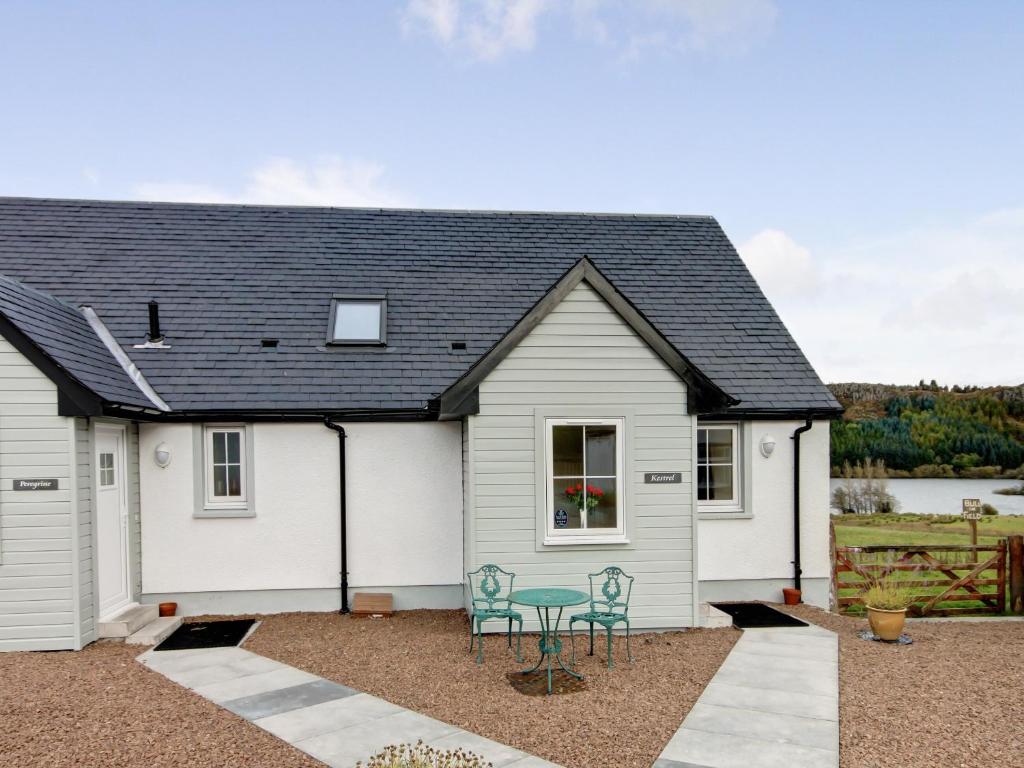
<point>365,208</point>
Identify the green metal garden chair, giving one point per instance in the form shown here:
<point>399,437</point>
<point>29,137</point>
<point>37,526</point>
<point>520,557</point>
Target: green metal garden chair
<point>489,586</point>
<point>606,608</point>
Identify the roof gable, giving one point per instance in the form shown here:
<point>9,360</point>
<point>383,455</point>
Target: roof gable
<point>460,398</point>
<point>59,341</point>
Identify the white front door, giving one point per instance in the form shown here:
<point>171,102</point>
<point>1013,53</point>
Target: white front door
<point>111,553</point>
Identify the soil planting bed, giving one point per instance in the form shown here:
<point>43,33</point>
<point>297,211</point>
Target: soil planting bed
<point>622,717</point>
<point>99,707</point>
<point>952,698</point>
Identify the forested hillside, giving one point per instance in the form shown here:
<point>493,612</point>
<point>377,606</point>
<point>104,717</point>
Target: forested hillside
<point>931,431</point>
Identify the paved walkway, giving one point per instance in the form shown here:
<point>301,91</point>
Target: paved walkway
<point>333,723</point>
<point>774,703</point>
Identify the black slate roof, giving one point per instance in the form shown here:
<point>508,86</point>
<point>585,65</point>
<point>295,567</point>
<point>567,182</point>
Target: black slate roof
<point>227,276</point>
<point>63,333</point>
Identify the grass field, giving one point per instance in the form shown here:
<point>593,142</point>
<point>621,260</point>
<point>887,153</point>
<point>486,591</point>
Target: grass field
<point>914,530</point>
<point>866,530</point>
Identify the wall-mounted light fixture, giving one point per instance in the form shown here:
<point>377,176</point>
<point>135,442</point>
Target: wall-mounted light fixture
<point>162,455</point>
<point>767,445</point>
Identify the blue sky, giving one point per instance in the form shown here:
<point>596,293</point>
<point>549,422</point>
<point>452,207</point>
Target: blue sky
<point>866,158</point>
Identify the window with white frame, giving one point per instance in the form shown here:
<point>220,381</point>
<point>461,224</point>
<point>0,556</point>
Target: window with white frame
<point>584,479</point>
<point>225,466</point>
<point>718,467</point>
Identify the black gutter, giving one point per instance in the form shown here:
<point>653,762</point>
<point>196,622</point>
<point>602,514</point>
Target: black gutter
<point>342,511</point>
<point>797,570</point>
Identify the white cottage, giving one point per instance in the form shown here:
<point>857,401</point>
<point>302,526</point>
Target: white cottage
<point>264,409</point>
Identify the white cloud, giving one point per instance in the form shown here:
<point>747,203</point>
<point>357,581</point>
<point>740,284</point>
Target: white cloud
<point>489,29</point>
<point>281,181</point>
<point>781,266</point>
<point>942,302</point>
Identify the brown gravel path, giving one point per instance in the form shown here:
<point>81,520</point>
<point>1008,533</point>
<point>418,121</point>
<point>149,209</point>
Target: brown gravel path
<point>420,660</point>
<point>98,707</point>
<point>955,698</point>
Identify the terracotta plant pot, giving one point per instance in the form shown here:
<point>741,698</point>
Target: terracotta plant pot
<point>888,625</point>
<point>791,596</point>
<point>168,609</point>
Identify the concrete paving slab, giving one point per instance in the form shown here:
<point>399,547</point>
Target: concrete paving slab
<point>219,673</point>
<point>345,747</point>
<point>286,699</point>
<point>773,702</point>
<point>820,652</point>
<point>253,684</point>
<point>741,661</point>
<point>171,662</point>
<point>779,680</point>
<point>531,761</point>
<point>761,699</point>
<point>323,718</point>
<point>498,755</point>
<point>770,726</point>
<point>719,750</point>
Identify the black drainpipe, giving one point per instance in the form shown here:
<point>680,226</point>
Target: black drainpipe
<point>342,511</point>
<point>797,570</point>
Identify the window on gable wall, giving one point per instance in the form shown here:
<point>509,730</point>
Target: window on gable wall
<point>584,487</point>
<point>718,469</point>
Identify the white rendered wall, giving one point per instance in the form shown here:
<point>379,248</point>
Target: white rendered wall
<point>404,511</point>
<point>761,546</point>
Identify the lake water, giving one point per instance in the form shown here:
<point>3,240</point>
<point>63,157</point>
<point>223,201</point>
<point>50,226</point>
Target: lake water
<point>940,496</point>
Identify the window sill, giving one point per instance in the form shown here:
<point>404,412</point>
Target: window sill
<point>569,541</point>
<point>721,514</point>
<point>213,512</point>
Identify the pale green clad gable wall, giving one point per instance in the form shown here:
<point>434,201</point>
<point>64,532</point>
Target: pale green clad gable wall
<point>584,356</point>
<point>38,554</point>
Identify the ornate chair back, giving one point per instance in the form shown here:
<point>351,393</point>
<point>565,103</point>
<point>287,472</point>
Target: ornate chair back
<point>609,590</point>
<point>489,586</point>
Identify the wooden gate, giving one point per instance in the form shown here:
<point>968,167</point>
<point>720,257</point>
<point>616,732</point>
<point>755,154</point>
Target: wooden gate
<point>945,580</point>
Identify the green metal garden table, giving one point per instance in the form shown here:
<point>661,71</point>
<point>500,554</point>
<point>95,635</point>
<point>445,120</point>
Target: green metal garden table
<point>544,599</point>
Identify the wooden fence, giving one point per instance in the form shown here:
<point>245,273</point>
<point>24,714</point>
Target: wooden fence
<point>945,579</point>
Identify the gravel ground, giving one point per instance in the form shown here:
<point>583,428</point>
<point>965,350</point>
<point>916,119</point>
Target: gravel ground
<point>98,707</point>
<point>420,660</point>
<point>953,698</point>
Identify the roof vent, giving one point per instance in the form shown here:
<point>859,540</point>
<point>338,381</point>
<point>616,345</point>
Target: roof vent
<point>268,343</point>
<point>155,337</point>
<point>458,346</point>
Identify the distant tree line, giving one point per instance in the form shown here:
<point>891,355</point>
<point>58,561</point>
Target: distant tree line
<point>931,430</point>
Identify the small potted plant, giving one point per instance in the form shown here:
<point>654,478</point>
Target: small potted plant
<point>887,601</point>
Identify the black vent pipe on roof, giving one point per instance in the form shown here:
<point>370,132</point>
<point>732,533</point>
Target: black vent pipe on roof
<point>342,511</point>
<point>155,337</point>
<point>797,570</point>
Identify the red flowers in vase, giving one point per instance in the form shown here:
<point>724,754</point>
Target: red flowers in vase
<point>584,496</point>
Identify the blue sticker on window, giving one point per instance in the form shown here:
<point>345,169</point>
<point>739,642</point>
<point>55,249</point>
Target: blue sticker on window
<point>561,518</point>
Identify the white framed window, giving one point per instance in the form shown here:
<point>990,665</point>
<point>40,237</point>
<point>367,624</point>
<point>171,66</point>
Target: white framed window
<point>225,467</point>
<point>106,470</point>
<point>358,320</point>
<point>584,481</point>
<point>718,468</point>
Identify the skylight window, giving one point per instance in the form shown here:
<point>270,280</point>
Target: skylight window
<point>358,320</point>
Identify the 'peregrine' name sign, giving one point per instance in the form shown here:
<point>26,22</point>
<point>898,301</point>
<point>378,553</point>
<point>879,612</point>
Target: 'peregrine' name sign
<point>35,485</point>
<point>659,478</point>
